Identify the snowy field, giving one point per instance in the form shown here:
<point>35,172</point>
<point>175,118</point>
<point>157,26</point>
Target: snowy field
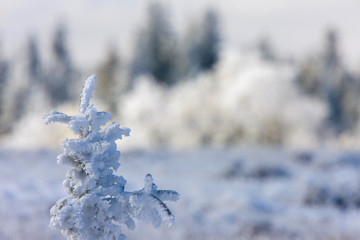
<point>244,193</point>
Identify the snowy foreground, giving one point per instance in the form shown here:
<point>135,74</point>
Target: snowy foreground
<point>226,194</point>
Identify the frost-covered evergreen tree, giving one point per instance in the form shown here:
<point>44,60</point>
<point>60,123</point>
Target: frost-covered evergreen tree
<point>98,205</point>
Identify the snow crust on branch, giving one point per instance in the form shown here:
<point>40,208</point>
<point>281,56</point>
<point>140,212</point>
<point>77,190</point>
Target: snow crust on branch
<point>98,205</point>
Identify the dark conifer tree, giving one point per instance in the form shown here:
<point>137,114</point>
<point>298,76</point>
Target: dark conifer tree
<point>155,52</point>
<point>326,77</point>
<point>202,44</point>
<point>60,78</point>
<point>209,41</point>
<point>108,74</point>
<point>34,60</point>
<point>4,72</point>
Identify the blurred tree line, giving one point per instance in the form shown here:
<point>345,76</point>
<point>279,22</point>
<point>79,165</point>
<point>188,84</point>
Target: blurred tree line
<point>160,53</point>
<point>27,82</point>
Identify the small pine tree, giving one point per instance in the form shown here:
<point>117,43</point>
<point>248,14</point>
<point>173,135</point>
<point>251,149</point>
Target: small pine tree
<point>98,204</point>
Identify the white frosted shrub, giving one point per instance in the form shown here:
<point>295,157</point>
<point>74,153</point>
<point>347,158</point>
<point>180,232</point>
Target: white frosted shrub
<point>98,205</point>
<point>244,100</point>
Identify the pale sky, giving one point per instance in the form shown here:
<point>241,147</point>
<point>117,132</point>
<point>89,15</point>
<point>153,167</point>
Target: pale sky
<point>296,27</point>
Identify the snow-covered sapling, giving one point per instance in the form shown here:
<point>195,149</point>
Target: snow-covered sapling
<point>98,205</point>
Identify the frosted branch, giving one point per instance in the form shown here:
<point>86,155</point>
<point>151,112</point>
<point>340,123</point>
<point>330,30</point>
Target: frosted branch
<point>87,93</point>
<point>55,116</point>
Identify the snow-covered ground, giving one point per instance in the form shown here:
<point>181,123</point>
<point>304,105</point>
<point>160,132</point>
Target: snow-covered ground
<point>244,193</point>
